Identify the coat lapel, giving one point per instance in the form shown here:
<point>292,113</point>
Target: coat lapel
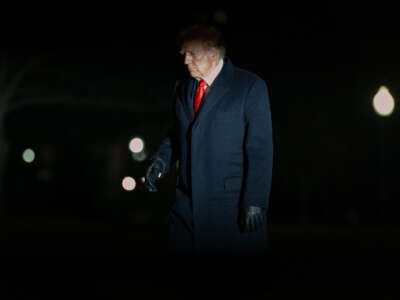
<point>219,88</point>
<point>186,96</point>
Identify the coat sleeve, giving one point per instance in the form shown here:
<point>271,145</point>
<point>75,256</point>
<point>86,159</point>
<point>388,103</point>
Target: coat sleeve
<point>258,146</point>
<point>167,150</point>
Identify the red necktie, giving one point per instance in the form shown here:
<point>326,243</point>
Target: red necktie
<point>201,90</point>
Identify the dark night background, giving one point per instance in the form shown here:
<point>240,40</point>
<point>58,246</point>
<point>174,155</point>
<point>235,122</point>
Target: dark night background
<point>97,76</point>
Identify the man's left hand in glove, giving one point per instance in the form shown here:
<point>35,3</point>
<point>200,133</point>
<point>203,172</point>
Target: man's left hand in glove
<point>253,219</point>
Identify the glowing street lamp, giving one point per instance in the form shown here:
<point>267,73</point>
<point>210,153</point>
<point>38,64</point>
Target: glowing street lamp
<point>383,104</point>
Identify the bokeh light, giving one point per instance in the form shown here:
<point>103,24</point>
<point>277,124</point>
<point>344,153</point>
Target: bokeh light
<point>136,145</point>
<point>128,183</point>
<point>28,155</point>
<point>383,102</point>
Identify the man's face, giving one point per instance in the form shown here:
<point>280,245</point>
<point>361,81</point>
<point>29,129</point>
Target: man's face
<point>198,59</point>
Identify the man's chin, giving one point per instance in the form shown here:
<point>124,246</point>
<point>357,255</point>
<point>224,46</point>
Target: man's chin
<point>194,75</point>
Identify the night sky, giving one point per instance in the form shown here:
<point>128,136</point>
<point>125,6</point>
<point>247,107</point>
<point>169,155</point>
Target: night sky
<point>322,63</point>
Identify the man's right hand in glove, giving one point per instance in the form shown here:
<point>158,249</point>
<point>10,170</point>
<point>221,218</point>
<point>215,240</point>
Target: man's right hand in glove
<point>154,172</point>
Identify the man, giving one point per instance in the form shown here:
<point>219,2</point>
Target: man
<point>223,150</point>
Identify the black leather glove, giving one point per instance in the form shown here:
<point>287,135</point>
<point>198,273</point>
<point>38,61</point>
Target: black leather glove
<point>154,172</point>
<point>253,218</point>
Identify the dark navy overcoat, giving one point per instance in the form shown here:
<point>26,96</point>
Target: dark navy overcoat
<point>224,157</point>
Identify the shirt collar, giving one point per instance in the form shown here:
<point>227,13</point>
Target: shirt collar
<point>210,78</point>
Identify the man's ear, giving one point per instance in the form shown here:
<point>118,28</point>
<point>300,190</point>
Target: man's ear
<point>214,53</point>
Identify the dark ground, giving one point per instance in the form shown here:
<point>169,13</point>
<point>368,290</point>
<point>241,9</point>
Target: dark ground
<point>45,258</point>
